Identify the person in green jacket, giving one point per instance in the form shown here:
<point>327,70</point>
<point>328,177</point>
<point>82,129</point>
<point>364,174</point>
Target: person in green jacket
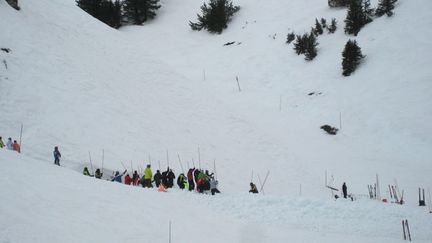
<point>1,143</point>
<point>86,172</point>
<point>148,174</point>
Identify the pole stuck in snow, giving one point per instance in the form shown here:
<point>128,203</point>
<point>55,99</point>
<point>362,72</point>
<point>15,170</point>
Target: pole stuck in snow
<point>238,83</point>
<point>181,165</point>
<point>199,158</point>
<point>169,232</point>
<point>20,139</point>
<point>167,158</point>
<point>103,159</point>
<point>91,165</point>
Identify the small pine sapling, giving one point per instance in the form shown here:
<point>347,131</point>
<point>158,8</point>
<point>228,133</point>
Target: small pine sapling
<point>333,26</point>
<point>318,30</point>
<point>290,37</point>
<point>323,23</point>
<point>311,44</point>
<point>385,7</point>
<point>351,57</point>
<point>300,44</point>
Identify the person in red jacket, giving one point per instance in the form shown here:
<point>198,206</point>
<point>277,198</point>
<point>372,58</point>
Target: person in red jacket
<point>16,146</point>
<point>127,180</point>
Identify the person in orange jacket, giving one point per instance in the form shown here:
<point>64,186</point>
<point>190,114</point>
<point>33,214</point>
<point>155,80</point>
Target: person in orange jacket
<point>16,146</point>
<point>162,188</point>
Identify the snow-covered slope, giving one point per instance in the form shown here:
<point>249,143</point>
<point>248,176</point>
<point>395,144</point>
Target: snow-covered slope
<point>44,203</point>
<point>141,91</point>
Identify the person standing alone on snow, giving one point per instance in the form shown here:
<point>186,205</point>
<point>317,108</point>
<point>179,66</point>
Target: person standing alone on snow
<point>57,156</point>
<point>344,190</point>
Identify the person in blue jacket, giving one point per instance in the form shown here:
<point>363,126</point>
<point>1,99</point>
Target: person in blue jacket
<point>118,177</point>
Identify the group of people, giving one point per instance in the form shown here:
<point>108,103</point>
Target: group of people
<point>15,146</point>
<point>195,179</point>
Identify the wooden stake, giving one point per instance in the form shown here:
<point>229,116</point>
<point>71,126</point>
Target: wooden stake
<point>167,158</point>
<point>214,168</point>
<point>91,165</point>
<point>103,158</point>
<point>265,179</point>
<point>199,157</point>
<point>181,165</point>
<point>340,120</point>
<point>20,139</point>
<point>378,188</point>
<point>238,83</point>
<point>169,239</point>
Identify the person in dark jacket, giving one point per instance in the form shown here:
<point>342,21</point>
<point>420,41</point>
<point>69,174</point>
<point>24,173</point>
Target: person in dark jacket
<point>190,179</point>
<point>171,177</point>
<point>344,190</point>
<point>135,178</point>
<point>57,156</point>
<point>181,181</point>
<point>157,178</point>
<point>98,173</point>
<point>1,143</point>
<point>253,188</point>
<point>165,178</point>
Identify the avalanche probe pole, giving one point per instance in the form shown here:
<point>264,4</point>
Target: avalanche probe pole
<point>91,165</point>
<point>21,137</point>
<point>265,179</point>
<point>103,158</point>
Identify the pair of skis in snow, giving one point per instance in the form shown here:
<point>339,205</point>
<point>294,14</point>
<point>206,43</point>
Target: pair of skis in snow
<point>406,230</point>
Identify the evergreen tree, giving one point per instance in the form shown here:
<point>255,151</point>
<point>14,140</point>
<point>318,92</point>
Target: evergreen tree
<point>318,30</point>
<point>139,11</point>
<point>351,57</point>
<point>300,44</point>
<point>333,26</point>
<point>110,13</point>
<point>13,4</point>
<point>323,23</point>
<point>356,17</point>
<point>290,37</point>
<point>385,7</point>
<point>368,10</point>
<point>92,7</point>
<point>311,44</point>
<point>338,3</point>
<point>215,16</point>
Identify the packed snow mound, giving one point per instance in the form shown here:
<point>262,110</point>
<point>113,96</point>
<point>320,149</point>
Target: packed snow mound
<point>47,203</point>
